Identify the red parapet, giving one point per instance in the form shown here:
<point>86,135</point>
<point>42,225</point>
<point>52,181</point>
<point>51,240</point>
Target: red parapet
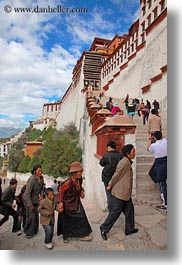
<point>156,78</point>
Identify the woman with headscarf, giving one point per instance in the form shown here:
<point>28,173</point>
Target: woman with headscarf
<point>72,219</point>
<point>31,197</point>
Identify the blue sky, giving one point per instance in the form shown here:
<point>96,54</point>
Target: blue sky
<point>40,50</point>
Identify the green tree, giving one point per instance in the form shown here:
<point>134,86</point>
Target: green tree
<point>23,166</point>
<point>58,152</point>
<point>15,157</point>
<point>34,135</point>
<point>34,161</point>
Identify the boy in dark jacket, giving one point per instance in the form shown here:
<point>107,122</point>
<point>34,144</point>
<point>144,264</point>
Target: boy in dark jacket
<point>21,208</point>
<point>109,161</point>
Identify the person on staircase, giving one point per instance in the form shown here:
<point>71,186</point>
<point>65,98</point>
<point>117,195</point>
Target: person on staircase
<point>145,112</point>
<point>158,171</point>
<point>109,163</point>
<point>154,122</point>
<point>109,104</point>
<point>126,101</point>
<point>115,108</point>
<point>121,189</point>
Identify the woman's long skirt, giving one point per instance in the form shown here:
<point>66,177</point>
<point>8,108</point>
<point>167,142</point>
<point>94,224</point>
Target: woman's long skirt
<point>73,224</point>
<point>32,221</point>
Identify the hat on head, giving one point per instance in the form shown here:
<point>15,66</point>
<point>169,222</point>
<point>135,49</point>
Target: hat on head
<point>115,104</point>
<point>75,167</point>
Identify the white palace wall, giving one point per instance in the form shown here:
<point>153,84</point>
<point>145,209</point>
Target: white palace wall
<point>142,68</point>
<point>72,107</point>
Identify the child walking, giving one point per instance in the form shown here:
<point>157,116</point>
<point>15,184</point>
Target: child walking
<point>21,208</point>
<point>47,218</point>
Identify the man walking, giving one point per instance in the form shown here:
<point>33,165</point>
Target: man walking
<point>109,161</point>
<point>7,206</point>
<point>121,187</point>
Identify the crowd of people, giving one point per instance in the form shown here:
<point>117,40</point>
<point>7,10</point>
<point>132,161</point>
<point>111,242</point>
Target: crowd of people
<point>131,107</point>
<point>35,199</point>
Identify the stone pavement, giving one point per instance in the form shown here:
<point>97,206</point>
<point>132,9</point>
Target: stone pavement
<point>152,235</point>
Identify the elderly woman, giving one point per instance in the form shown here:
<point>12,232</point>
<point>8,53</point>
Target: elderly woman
<point>31,198</point>
<point>72,220</point>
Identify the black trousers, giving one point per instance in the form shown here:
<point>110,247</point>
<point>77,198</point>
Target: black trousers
<point>9,211</point>
<point>163,187</point>
<point>119,206</point>
<point>109,197</point>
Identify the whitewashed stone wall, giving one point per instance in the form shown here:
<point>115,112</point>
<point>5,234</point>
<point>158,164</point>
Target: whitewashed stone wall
<point>142,68</point>
<point>72,107</point>
<point>94,187</point>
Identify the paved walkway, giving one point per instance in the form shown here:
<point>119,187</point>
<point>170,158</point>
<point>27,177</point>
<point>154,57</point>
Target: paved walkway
<point>152,235</point>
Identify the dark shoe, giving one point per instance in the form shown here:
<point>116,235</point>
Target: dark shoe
<point>29,236</point>
<point>66,240</point>
<point>132,232</point>
<point>161,207</point>
<point>103,235</point>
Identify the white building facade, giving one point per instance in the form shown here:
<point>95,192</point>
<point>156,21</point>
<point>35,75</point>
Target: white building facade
<point>139,66</point>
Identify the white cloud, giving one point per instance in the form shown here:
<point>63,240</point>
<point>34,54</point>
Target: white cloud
<point>28,73</point>
<point>85,29</point>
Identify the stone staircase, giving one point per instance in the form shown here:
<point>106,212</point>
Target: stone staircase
<point>147,190</point>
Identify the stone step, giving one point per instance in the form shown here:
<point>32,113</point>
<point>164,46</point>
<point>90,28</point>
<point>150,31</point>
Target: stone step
<point>152,197</point>
<point>144,159</point>
<point>145,187</point>
<point>143,175</point>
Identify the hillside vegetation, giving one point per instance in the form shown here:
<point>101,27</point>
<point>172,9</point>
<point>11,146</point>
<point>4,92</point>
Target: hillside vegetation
<point>60,148</point>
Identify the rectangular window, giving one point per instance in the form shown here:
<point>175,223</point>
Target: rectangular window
<point>162,3</point>
<point>118,61</point>
<point>155,13</point>
<point>143,37</point>
<point>121,58</point>
<point>143,26</point>
<point>149,19</point>
<point>149,3</point>
<point>143,11</point>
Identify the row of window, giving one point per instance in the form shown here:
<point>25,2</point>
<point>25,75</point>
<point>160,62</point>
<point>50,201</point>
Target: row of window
<point>52,107</point>
<point>124,50</point>
<point>119,60</point>
<point>149,4</point>
<point>130,46</point>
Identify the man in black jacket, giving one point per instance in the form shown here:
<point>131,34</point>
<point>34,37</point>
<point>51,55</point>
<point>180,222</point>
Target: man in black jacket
<point>7,206</point>
<point>109,161</point>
